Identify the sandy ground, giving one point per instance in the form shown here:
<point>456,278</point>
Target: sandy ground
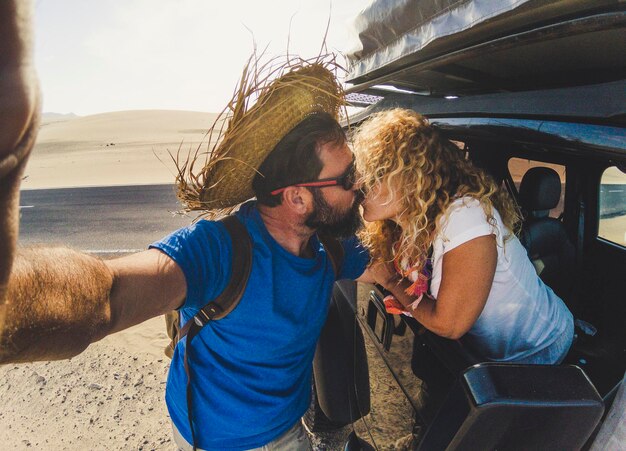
<point>110,397</point>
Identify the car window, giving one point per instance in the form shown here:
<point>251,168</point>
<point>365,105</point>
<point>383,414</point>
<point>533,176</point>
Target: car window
<point>519,166</point>
<point>612,206</point>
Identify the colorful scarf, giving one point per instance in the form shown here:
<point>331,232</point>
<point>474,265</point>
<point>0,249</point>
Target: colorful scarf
<point>420,284</point>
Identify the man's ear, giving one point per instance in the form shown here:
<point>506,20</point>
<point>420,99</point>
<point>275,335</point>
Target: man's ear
<point>298,199</point>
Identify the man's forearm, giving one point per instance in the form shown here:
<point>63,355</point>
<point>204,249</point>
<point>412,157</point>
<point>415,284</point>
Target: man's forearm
<point>58,303</point>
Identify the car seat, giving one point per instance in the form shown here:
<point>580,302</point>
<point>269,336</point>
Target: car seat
<point>553,256</point>
<point>545,238</point>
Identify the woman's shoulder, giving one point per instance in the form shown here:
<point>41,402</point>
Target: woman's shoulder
<point>463,220</point>
<point>464,209</point>
<point>464,202</point>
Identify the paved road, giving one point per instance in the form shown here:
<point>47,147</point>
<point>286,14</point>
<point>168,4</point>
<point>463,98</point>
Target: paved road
<point>100,218</point>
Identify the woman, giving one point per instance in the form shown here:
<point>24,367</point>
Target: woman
<point>434,219</point>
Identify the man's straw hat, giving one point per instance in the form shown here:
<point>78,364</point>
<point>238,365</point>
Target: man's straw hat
<point>270,101</point>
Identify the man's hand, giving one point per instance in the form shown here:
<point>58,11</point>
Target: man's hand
<point>383,274</point>
<point>19,115</point>
<point>18,84</point>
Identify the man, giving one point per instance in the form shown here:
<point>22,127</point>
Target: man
<point>250,371</point>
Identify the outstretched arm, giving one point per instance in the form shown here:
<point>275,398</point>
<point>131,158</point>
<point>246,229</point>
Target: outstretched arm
<point>55,302</point>
<point>19,115</point>
<point>60,301</point>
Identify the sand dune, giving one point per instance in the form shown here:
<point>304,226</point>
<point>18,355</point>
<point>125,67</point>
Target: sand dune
<point>119,148</point>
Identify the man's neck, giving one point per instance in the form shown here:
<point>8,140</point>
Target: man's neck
<point>287,231</point>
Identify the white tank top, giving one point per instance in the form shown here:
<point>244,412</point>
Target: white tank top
<point>522,315</point>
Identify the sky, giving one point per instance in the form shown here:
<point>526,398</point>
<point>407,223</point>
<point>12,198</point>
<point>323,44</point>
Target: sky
<point>95,56</point>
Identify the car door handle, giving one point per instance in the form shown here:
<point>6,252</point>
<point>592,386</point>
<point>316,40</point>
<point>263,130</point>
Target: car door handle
<point>379,321</point>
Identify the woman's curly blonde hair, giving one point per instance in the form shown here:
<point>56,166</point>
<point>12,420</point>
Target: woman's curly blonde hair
<point>399,150</point>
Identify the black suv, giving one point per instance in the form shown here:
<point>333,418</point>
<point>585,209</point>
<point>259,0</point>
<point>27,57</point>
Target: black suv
<point>535,93</point>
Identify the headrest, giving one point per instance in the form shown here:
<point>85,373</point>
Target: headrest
<point>540,190</point>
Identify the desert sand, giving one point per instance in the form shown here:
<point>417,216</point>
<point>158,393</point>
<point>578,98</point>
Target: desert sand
<point>110,397</point>
<point>119,148</point>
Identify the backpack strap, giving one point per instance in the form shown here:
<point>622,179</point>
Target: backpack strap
<point>228,299</point>
<point>335,251</point>
<point>224,303</point>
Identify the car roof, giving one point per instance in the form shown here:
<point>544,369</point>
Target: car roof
<point>470,47</point>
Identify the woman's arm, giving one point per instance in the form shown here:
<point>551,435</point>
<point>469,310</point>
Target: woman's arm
<point>467,276</point>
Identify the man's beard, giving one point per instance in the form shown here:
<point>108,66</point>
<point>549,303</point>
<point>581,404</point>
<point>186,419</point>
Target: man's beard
<point>330,221</point>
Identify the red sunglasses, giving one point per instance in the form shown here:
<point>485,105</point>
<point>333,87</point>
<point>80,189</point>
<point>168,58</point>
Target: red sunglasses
<point>345,180</point>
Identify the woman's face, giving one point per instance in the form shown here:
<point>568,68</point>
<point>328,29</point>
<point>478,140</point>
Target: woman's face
<point>380,205</point>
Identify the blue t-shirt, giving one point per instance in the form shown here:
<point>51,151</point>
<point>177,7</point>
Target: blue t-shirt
<point>252,369</point>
